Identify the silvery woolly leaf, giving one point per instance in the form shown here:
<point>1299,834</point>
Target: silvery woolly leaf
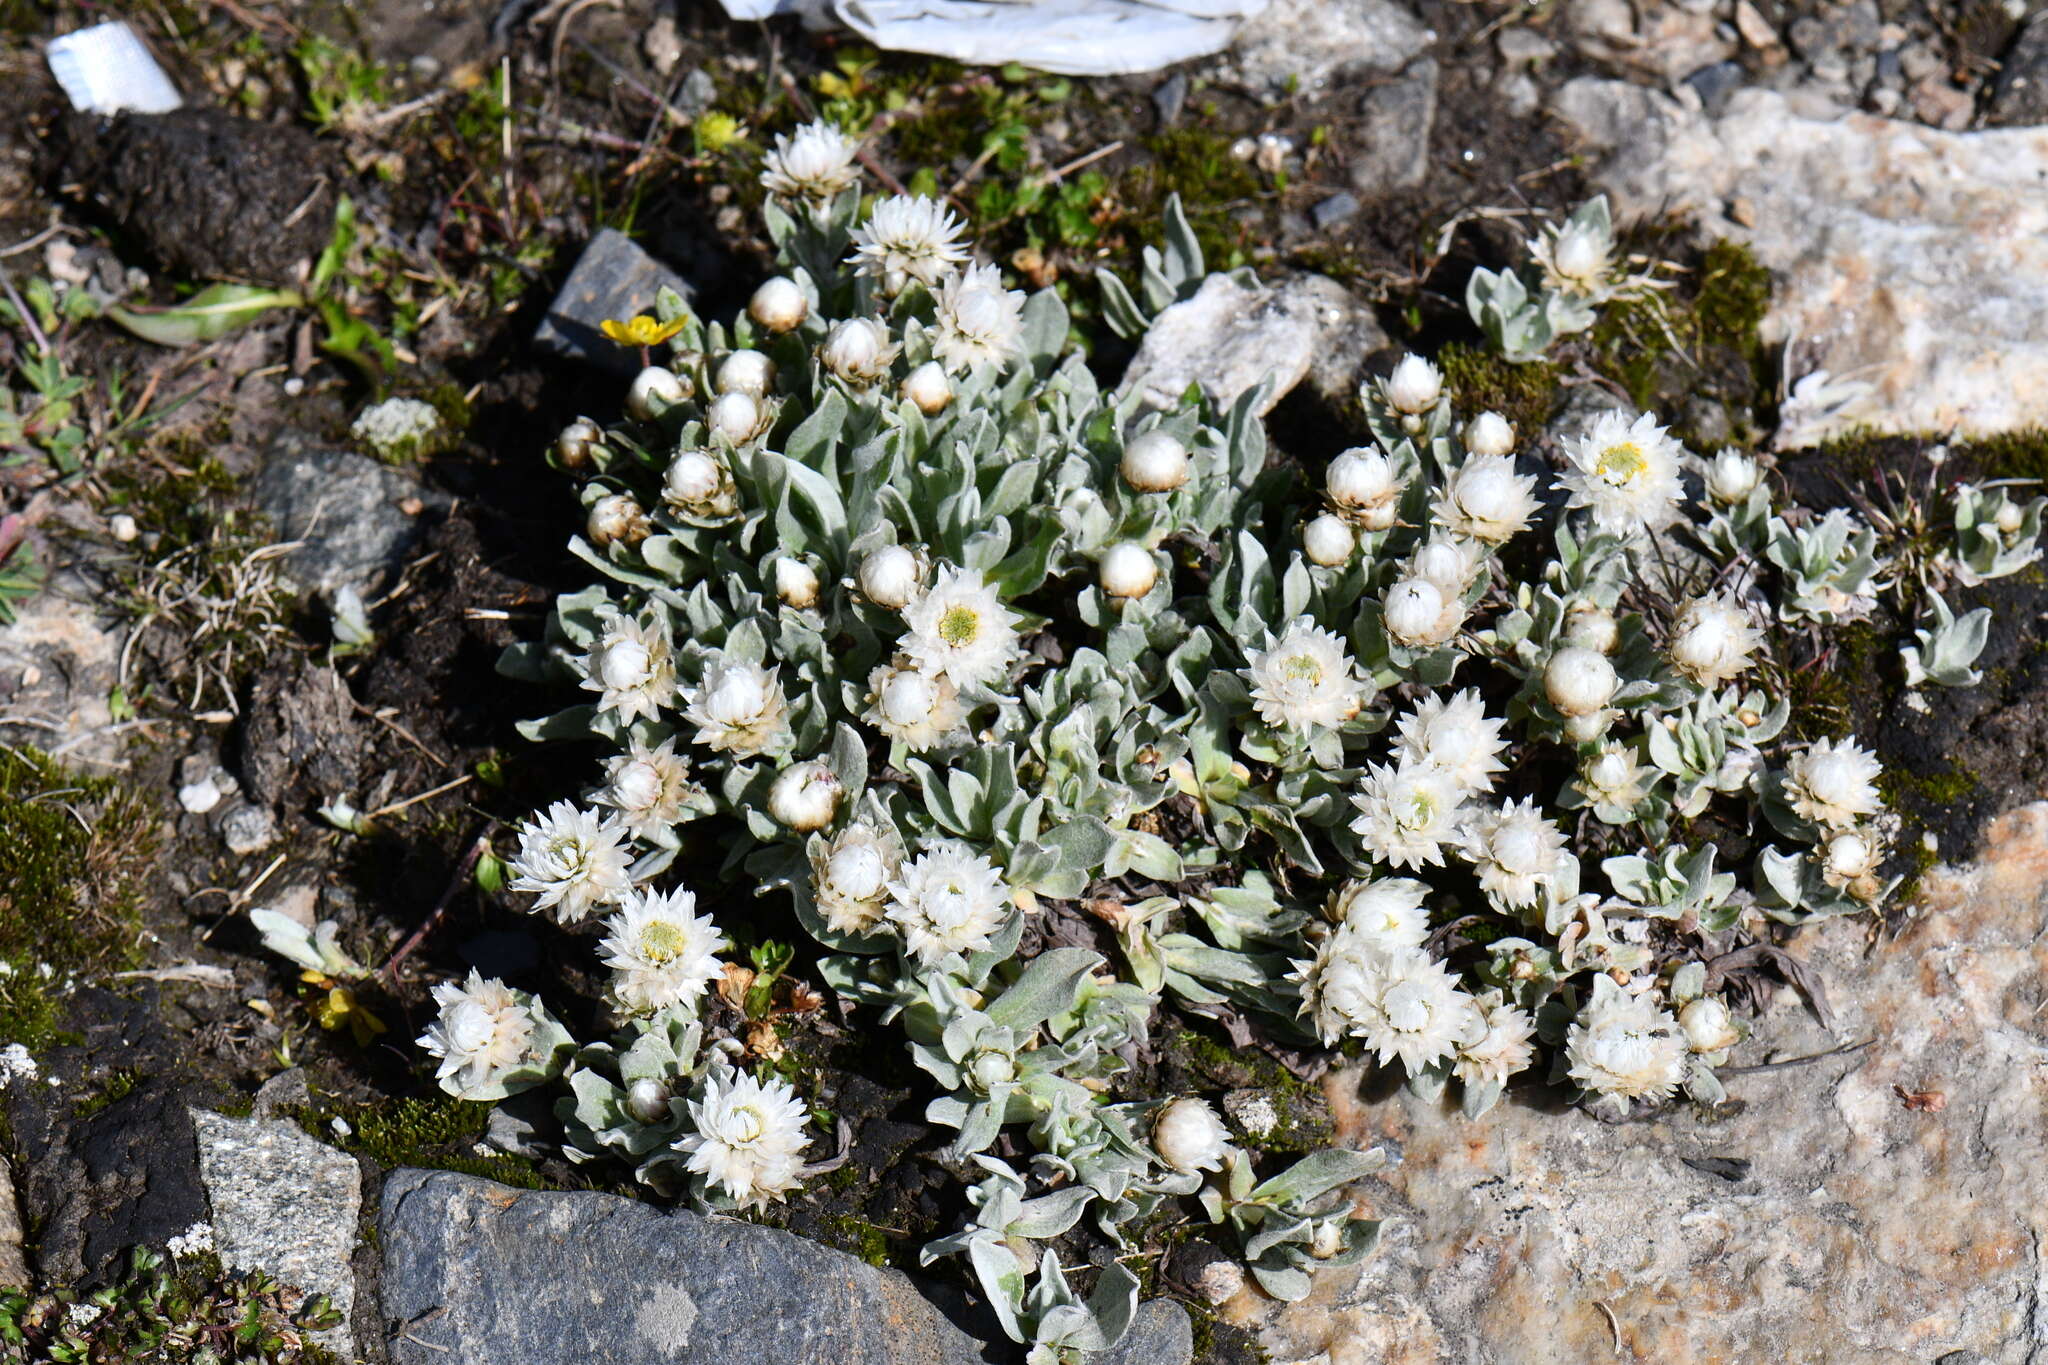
<point>1317,1174</point>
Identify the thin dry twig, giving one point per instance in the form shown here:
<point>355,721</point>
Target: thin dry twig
<point>463,871</point>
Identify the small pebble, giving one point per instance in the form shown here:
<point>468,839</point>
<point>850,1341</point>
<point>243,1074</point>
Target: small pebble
<point>199,797</point>
<point>123,527</point>
<point>1334,210</point>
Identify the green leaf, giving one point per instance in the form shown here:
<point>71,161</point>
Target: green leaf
<point>1048,986</point>
<point>212,312</point>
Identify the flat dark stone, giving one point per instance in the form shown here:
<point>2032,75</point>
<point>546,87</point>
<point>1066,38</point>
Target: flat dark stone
<point>613,278</point>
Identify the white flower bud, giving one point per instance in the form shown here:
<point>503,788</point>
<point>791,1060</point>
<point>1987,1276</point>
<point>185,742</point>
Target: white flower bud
<point>1708,1026</point>
<point>636,786</point>
<point>1612,770</point>
<point>747,372</point>
<point>1155,462</point>
<point>779,304</point>
<point>2010,518</point>
<point>1127,570</point>
<point>1329,541</point>
<point>1711,640</point>
<point>735,416</point>
<point>928,387</point>
<point>616,518</point>
<point>622,663</point>
<point>470,1026</point>
<point>890,577</point>
<point>1326,1240</point>
<point>1414,608</point>
<point>796,584</point>
<point>991,1069</point>
<point>1359,479</point>
<point>1732,477</point>
<point>857,350</point>
<point>574,447</point>
<point>1415,386</point>
<point>1579,682</point>
<point>1849,855</point>
<point>907,698</point>
<point>1189,1137</point>
<point>857,871</point>
<point>1580,255</point>
<point>1591,627</point>
<point>647,1100</point>
<point>693,477</point>
<point>1589,727</point>
<point>805,796</point>
<point>1490,434</point>
<point>654,391</point>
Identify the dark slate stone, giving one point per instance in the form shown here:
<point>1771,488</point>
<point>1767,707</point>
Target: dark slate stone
<point>485,1274</point>
<point>344,509</point>
<point>2021,98</point>
<point>1170,98</point>
<point>1716,83</point>
<point>1334,210</point>
<point>613,278</point>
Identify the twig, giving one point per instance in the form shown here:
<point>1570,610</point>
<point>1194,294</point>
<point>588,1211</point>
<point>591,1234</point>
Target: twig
<point>28,319</point>
<point>1807,1060</point>
<point>463,871</point>
<point>397,806</point>
<point>238,899</point>
<point>1106,149</point>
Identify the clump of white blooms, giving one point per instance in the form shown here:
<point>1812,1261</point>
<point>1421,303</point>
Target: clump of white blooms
<point>1017,689</point>
<point>396,428</point>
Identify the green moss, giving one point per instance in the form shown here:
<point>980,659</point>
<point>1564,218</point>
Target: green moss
<point>855,1236</point>
<point>438,1133</point>
<point>1302,1116</point>
<point>1483,381</point>
<point>117,1085</point>
<point>1198,165</point>
<point>1834,698</point>
<point>1734,294</point>
<point>74,851</point>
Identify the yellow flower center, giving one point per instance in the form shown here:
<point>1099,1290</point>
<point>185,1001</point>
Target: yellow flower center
<point>1302,668</point>
<point>1623,462</point>
<point>959,626</point>
<point>661,941</point>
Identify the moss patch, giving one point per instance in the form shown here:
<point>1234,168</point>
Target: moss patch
<point>437,1133</point>
<point>1484,381</point>
<point>74,851</point>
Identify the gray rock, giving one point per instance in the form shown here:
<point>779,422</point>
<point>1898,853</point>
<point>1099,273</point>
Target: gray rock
<point>613,278</point>
<point>1715,83</point>
<point>347,510</point>
<point>1170,98</point>
<point>300,735</point>
<point>282,1203</point>
<point>1395,123</point>
<point>699,92</point>
<point>13,1265</point>
<point>1908,260</point>
<point>1893,1209</point>
<point>248,829</point>
<point>1334,210</point>
<point>2021,97</point>
<point>1306,43</point>
<point>1160,1334</point>
<point>1231,335</point>
<point>478,1272</point>
<point>285,1091</point>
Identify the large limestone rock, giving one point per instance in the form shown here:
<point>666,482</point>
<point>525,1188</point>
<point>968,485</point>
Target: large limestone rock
<point>479,1272</point>
<point>1905,258</point>
<point>1884,1205</point>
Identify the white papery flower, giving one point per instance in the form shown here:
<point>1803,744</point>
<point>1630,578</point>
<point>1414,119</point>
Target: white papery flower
<point>651,789</point>
<point>1712,639</point>
<point>1578,255</point>
<point>921,710</point>
<point>1126,570</point>
<point>617,519</point>
<point>908,238</point>
<point>1732,476</point>
<point>1155,462</point>
<point>1624,1047</point>
<point>1579,681</point>
<point>891,576</point>
<point>1384,913</point>
<point>483,1031</point>
<point>928,387</point>
<point>1498,1048</point>
<point>1407,1005</point>
<point>1612,777</point>
<point>697,484</point>
<point>779,304</point>
<point>1305,679</point>
<point>631,668</point>
<point>1418,613</point>
<point>1456,735</point>
<point>749,1137</point>
<point>1627,474</point>
<point>1708,1025</point>
<point>1364,484</point>
<point>745,371</point>
<point>960,630</point>
<point>858,350</point>
<point>1487,500</point>
<point>796,583</point>
<point>805,796</point>
<point>1848,855</point>
<point>1329,541</point>
<point>850,876</point>
<point>572,861</point>
<point>1189,1136</point>
<point>1833,783</point>
<point>662,954</point>
<point>1515,851</point>
<point>654,391</point>
<point>949,899</point>
<point>816,162</point>
<point>1490,434</point>
<point>1408,812</point>
<point>738,709</point>
<point>979,321</point>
